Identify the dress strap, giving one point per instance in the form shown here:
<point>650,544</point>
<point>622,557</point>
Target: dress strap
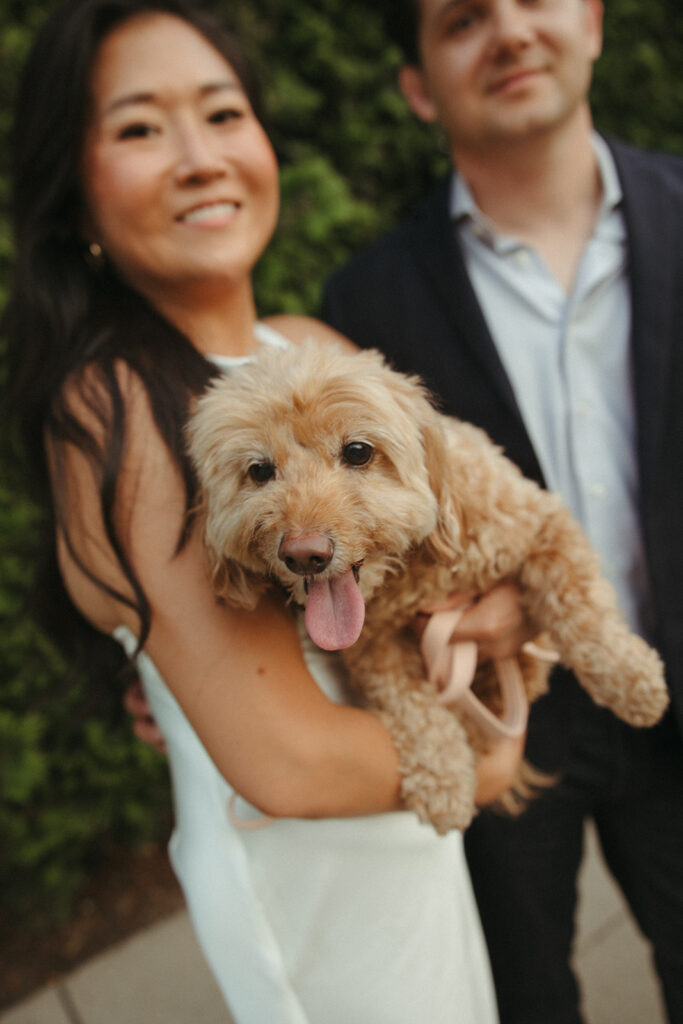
<point>264,334</point>
<point>269,336</point>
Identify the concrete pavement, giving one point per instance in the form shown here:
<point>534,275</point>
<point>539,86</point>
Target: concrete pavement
<point>158,976</point>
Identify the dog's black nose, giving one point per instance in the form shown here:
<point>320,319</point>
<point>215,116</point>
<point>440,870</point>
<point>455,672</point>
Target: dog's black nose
<point>307,554</point>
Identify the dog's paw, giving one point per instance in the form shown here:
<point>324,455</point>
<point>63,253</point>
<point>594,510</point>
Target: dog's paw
<point>444,803</point>
<point>635,689</point>
<point>645,700</point>
<point>435,760</point>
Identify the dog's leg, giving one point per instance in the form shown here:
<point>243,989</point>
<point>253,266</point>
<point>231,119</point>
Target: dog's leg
<point>436,760</point>
<point>516,531</point>
<point>567,596</point>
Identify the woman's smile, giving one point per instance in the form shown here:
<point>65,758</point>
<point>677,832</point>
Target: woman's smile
<point>211,215</point>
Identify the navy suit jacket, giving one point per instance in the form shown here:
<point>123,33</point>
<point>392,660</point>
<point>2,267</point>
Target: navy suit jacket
<point>410,296</point>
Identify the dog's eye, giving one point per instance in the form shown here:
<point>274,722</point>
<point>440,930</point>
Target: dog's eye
<point>357,453</point>
<point>261,472</point>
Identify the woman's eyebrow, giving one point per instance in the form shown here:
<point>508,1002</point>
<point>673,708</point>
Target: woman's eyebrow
<point>136,98</point>
<point>449,6</point>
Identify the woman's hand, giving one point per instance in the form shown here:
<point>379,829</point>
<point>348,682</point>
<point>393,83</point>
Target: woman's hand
<point>497,770</point>
<point>144,725</point>
<point>495,621</point>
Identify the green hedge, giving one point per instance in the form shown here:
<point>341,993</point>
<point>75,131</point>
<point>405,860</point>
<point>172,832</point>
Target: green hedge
<point>72,778</point>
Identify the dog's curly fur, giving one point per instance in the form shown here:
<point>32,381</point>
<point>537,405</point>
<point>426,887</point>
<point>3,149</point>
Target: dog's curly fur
<point>436,509</point>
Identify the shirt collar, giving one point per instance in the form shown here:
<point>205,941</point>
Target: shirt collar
<point>463,206</point>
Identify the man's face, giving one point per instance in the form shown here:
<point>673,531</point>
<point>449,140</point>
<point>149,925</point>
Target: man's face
<point>498,71</point>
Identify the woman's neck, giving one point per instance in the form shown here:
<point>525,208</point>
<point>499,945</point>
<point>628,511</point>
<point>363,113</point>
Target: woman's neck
<point>216,322</point>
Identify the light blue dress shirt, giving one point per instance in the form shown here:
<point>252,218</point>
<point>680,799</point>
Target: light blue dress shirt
<point>568,359</point>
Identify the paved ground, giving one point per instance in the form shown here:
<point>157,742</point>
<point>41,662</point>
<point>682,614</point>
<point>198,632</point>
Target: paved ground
<point>158,976</point>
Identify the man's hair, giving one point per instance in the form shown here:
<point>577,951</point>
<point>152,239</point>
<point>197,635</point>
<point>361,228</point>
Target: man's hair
<point>402,22</point>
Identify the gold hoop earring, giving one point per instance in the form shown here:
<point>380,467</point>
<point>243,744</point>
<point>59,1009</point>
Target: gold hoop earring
<point>94,256</point>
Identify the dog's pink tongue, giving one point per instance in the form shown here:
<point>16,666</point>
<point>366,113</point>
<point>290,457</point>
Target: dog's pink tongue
<point>335,612</point>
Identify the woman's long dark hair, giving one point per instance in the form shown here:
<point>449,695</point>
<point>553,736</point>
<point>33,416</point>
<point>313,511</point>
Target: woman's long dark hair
<point>66,314</point>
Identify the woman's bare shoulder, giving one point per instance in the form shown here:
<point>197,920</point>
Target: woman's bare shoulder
<point>148,501</point>
<point>298,328</point>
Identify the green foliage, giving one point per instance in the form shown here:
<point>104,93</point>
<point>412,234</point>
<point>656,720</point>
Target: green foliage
<point>638,90</point>
<point>71,776</point>
<point>321,222</point>
<point>352,158</point>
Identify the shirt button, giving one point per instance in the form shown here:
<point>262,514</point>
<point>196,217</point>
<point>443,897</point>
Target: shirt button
<point>597,491</point>
<point>523,259</point>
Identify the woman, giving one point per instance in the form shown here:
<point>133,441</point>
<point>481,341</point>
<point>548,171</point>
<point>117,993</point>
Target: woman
<point>145,191</point>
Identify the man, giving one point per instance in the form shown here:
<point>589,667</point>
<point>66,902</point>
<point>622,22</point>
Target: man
<point>538,292</point>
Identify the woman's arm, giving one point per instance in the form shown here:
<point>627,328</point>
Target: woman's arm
<point>499,624</point>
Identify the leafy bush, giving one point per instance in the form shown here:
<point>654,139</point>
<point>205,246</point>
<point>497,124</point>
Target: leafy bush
<point>70,778</point>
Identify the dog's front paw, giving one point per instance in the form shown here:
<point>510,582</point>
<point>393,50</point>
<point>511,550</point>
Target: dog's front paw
<point>645,693</point>
<point>444,803</point>
<point>435,759</point>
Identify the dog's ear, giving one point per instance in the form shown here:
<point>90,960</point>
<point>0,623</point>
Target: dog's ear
<point>235,585</point>
<point>417,404</point>
<point>230,580</point>
<point>446,540</point>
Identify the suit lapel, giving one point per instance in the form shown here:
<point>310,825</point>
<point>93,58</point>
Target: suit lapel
<point>651,225</point>
<point>441,262</point>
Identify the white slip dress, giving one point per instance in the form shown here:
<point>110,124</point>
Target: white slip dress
<point>366,920</point>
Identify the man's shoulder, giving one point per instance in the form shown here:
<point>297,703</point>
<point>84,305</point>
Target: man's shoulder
<point>397,244</point>
<point>656,166</point>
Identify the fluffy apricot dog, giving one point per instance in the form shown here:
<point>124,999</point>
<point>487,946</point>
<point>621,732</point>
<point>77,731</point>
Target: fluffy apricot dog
<point>332,476</point>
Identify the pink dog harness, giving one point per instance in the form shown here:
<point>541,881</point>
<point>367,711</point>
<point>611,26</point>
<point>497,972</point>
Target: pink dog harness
<point>451,668</point>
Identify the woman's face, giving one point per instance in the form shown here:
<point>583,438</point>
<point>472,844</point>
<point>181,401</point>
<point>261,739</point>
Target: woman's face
<point>180,180</point>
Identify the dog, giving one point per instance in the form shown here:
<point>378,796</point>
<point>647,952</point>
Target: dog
<point>331,475</point>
